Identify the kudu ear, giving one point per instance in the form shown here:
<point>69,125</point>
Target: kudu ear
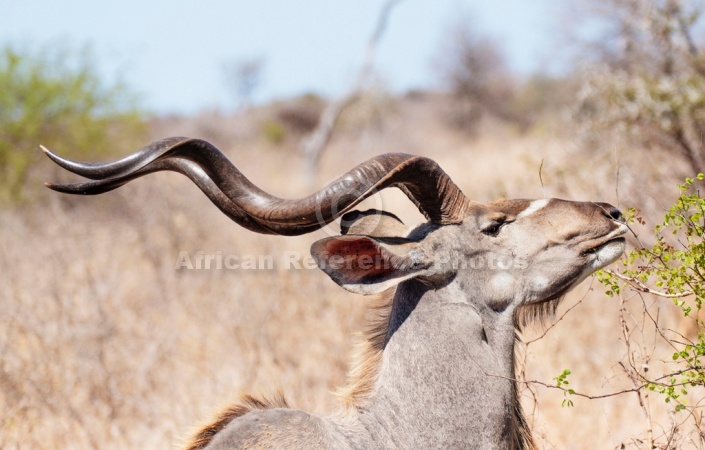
<point>367,265</point>
<point>372,222</point>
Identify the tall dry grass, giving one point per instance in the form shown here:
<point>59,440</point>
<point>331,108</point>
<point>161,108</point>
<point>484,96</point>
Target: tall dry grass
<point>104,344</point>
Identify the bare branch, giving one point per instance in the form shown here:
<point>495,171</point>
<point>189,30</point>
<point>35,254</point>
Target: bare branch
<point>316,142</point>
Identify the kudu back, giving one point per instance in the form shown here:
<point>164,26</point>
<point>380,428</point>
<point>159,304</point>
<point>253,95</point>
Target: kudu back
<point>437,370</point>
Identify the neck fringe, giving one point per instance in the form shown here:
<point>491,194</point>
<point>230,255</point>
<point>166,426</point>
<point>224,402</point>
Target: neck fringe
<point>522,438</point>
<point>205,434</point>
<point>367,355</point>
<point>367,358</point>
<point>364,372</point>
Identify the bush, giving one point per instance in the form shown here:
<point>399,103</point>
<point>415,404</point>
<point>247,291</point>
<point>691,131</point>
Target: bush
<point>649,83</point>
<point>273,131</point>
<point>475,72</point>
<point>55,98</point>
<point>301,115</point>
<point>673,268</point>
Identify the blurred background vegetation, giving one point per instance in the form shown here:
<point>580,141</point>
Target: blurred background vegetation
<point>104,345</point>
<point>53,96</point>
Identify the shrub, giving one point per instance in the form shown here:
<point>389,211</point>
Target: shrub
<point>649,83</point>
<point>56,98</point>
<point>474,70</point>
<point>273,131</point>
<point>673,268</point>
<point>301,116</point>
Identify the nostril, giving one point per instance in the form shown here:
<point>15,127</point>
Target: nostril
<point>616,214</point>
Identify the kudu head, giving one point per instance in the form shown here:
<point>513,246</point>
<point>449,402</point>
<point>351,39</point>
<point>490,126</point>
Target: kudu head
<point>511,252</point>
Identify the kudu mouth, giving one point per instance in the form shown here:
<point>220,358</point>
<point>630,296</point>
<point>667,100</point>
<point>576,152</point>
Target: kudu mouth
<point>611,241</point>
<point>598,253</point>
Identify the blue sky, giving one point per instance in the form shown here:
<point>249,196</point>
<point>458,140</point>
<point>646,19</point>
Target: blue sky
<point>173,52</point>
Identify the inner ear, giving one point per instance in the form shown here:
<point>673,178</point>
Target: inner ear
<point>368,265</point>
<point>372,222</point>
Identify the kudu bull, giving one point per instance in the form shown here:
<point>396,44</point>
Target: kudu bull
<point>438,370</point>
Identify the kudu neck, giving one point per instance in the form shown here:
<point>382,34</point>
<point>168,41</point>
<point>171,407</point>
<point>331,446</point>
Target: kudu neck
<point>445,379</point>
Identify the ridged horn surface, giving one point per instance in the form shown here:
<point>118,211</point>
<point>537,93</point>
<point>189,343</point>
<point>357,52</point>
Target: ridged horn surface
<point>421,179</point>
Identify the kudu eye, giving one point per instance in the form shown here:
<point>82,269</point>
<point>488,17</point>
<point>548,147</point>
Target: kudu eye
<point>493,228</point>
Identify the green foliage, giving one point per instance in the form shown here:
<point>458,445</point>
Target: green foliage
<point>675,266</point>
<point>562,383</point>
<point>273,131</point>
<point>56,98</point>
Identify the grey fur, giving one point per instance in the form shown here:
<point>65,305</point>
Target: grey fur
<point>446,376</point>
<point>439,373</point>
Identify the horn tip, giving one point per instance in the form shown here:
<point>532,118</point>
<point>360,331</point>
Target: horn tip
<point>64,188</point>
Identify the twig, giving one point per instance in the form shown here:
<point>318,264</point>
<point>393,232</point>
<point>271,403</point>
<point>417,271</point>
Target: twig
<point>639,286</point>
<point>550,327</point>
<point>634,374</point>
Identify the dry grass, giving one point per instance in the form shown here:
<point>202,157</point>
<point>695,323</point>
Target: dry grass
<point>105,345</point>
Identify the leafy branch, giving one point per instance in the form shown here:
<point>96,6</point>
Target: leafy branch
<point>672,268</point>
